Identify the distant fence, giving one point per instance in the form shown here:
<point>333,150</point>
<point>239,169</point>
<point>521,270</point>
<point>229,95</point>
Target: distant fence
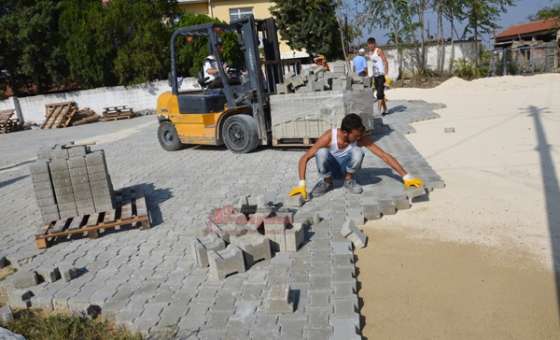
<point>138,97</point>
<point>526,59</point>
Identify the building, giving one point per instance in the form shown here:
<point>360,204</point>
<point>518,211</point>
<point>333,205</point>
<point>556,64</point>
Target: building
<point>542,30</point>
<point>529,47</point>
<point>227,10</point>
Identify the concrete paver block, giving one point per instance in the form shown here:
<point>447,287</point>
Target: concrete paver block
<point>20,298</point>
<point>202,245</point>
<point>25,279</point>
<point>276,234</point>
<point>225,262</point>
<point>70,274</point>
<point>344,329</point>
<point>371,211</point>
<point>294,236</point>
<point>255,247</point>
<point>279,299</point>
<point>354,234</point>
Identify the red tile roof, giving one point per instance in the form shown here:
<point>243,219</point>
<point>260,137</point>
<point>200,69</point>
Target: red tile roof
<point>530,27</point>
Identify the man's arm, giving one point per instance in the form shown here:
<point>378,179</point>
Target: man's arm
<point>323,142</point>
<point>301,188</point>
<point>367,142</point>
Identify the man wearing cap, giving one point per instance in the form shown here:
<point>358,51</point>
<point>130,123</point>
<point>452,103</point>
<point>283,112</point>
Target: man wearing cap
<point>359,63</point>
<point>211,72</point>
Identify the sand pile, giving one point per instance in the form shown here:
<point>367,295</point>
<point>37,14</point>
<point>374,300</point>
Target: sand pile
<point>495,164</point>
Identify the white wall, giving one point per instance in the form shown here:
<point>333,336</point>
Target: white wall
<point>138,97</point>
<point>463,50</point>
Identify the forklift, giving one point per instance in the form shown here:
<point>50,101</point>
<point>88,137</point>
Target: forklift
<point>237,115</point>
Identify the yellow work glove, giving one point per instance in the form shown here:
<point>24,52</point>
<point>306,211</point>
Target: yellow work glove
<point>410,181</point>
<point>299,190</point>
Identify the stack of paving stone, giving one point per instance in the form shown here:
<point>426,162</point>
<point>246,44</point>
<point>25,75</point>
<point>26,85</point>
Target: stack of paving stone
<point>71,180</point>
<point>240,236</point>
<point>316,100</point>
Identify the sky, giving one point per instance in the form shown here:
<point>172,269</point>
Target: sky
<point>515,15</point>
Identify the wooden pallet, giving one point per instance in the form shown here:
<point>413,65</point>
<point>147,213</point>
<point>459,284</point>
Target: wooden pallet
<point>131,211</point>
<point>293,142</point>
<point>117,113</point>
<point>8,123</point>
<point>85,116</point>
<point>59,115</point>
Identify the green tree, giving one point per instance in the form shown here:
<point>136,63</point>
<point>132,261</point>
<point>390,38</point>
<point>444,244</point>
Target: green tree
<point>123,42</point>
<point>548,12</point>
<point>482,17</point>
<point>394,16</point>
<point>309,24</point>
<point>88,45</point>
<point>31,59</point>
<point>191,53</point>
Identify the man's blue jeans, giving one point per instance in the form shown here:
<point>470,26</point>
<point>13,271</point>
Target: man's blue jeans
<point>328,165</point>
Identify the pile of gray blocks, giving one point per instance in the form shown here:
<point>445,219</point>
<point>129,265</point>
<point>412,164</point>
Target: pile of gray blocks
<point>231,244</point>
<point>308,115</point>
<point>71,180</point>
<point>309,103</point>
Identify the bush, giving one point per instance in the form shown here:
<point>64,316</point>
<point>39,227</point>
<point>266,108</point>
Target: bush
<point>34,324</point>
<point>467,70</point>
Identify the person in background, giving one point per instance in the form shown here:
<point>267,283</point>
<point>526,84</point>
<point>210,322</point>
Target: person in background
<point>359,63</point>
<point>321,60</point>
<point>380,69</point>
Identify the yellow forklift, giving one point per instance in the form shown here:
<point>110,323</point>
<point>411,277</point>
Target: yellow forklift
<point>237,115</point>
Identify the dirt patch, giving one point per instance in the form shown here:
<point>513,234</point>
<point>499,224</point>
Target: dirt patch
<point>6,271</point>
<point>413,288</point>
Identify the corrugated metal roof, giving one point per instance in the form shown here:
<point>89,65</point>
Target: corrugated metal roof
<point>528,28</point>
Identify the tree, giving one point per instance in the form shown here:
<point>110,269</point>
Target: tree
<point>31,59</point>
<point>482,17</point>
<point>548,12</point>
<point>123,42</point>
<point>394,16</point>
<point>191,53</point>
<point>309,24</point>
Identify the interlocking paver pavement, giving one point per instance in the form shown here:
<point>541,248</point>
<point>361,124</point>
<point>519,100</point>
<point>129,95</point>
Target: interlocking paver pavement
<point>149,281</point>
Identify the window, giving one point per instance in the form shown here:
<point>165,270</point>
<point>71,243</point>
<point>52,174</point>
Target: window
<point>238,13</point>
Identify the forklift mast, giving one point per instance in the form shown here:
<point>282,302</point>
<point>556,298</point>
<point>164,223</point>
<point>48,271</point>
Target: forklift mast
<point>260,84</point>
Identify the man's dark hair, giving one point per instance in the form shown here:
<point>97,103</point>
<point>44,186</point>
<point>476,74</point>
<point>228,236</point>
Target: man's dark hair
<point>371,41</point>
<point>352,122</point>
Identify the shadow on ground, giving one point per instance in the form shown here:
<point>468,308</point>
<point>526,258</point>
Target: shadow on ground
<point>12,181</point>
<point>551,190</point>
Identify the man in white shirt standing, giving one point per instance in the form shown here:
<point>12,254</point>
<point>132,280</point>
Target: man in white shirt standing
<point>380,69</point>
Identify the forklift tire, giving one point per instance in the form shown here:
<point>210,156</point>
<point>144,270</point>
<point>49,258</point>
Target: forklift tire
<point>240,133</point>
<point>167,136</point>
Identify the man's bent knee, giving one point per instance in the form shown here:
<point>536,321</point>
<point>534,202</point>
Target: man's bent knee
<point>322,158</point>
<point>357,156</point>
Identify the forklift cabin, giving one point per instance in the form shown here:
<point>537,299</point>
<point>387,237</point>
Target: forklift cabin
<point>235,115</point>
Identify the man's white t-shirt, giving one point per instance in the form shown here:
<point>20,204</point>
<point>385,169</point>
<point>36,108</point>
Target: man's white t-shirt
<point>378,67</point>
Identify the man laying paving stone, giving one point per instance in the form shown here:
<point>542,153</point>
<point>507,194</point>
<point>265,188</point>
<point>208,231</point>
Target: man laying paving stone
<point>339,154</point>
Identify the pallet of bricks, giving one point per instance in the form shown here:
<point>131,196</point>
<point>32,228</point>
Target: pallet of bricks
<point>65,114</point>
<point>8,123</point>
<point>75,195</point>
<point>117,113</point>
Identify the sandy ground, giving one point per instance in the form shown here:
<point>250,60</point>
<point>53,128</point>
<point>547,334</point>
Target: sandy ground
<point>498,219</point>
